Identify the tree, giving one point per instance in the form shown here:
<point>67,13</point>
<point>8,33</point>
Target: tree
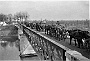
<point>9,17</point>
<point>22,16</point>
<point>3,17</point>
<point>25,15</point>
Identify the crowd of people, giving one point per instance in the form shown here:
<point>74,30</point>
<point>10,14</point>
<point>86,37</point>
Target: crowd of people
<point>81,37</point>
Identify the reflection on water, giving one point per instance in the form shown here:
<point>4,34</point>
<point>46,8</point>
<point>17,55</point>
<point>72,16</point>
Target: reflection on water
<point>4,44</point>
<point>17,44</point>
<point>11,44</point>
<point>9,50</point>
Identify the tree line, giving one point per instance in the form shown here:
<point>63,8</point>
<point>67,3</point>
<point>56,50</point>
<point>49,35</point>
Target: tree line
<point>19,16</point>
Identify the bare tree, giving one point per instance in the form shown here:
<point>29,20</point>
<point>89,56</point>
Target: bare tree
<point>3,17</point>
<point>25,15</point>
<point>22,16</point>
<point>9,17</point>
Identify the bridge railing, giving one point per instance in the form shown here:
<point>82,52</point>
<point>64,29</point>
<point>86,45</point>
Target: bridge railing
<point>48,49</point>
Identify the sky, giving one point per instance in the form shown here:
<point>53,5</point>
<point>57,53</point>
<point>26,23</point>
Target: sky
<point>52,10</point>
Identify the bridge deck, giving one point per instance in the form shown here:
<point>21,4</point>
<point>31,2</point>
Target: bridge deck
<point>84,52</point>
<point>65,43</point>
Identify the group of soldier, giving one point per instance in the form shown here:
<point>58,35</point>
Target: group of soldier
<point>52,30</point>
<point>60,32</point>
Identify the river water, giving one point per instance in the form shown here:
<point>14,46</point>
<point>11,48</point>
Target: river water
<point>9,51</point>
<point>9,46</point>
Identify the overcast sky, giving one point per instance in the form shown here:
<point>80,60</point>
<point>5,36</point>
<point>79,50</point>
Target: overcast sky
<point>48,9</point>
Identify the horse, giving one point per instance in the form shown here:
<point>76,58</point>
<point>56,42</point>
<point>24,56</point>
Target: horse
<point>77,35</point>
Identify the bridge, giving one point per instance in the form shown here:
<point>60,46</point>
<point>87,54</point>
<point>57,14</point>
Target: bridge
<point>48,49</point>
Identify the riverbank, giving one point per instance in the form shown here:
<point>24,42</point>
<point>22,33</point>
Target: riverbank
<point>8,47</point>
<point>8,33</point>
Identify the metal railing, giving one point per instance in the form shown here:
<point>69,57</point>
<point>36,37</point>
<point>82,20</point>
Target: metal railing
<point>48,49</point>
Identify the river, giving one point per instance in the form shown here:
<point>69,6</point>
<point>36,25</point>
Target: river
<point>9,45</point>
<point>9,51</point>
